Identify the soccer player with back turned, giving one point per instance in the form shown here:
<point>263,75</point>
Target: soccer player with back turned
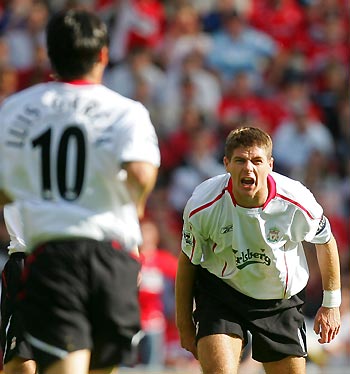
<point>16,351</point>
<point>79,161</point>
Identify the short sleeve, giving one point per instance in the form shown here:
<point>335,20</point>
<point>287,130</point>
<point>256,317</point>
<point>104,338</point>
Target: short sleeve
<point>137,139</point>
<point>323,232</point>
<point>192,242</point>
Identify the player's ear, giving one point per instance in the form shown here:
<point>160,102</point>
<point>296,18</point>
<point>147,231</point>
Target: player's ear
<point>226,162</point>
<point>103,56</point>
<point>271,162</point>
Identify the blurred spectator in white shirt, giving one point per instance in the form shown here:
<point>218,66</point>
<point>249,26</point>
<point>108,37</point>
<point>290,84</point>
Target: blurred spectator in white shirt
<point>296,138</point>
<point>24,39</point>
<point>190,84</point>
<point>201,163</point>
<point>122,78</point>
<point>183,35</point>
<point>238,46</point>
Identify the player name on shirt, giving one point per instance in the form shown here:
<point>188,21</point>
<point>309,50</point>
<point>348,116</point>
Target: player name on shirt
<point>30,115</point>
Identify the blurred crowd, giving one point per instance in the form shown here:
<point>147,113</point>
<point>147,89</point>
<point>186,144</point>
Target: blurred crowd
<point>202,68</point>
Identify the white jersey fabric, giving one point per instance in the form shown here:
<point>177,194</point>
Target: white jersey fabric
<point>67,143</point>
<point>257,251</point>
<point>14,226</point>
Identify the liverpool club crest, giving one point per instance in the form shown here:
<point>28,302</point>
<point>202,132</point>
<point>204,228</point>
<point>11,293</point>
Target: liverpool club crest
<point>273,235</point>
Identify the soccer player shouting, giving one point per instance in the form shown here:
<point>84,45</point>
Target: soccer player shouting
<point>244,266</point>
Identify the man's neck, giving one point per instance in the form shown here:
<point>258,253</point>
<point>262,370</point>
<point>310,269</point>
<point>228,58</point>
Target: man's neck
<point>252,202</point>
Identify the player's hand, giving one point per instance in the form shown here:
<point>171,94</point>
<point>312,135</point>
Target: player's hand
<point>327,324</point>
<point>188,339</point>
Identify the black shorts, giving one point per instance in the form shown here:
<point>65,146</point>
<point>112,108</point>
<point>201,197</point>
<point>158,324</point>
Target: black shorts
<point>80,294</point>
<point>13,343</point>
<point>277,326</point>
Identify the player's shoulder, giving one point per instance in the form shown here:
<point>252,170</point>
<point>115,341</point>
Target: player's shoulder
<point>294,192</point>
<point>208,191</point>
<point>288,186</point>
<point>117,100</point>
<point>26,95</point>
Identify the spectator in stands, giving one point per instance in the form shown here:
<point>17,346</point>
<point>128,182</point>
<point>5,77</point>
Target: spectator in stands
<point>294,91</point>
<point>134,23</point>
<point>156,296</point>
<point>23,39</point>
<point>212,15</point>
<point>39,72</point>
<point>280,19</point>
<point>331,86</point>
<point>175,146</point>
<point>296,138</point>
<point>183,35</point>
<point>8,81</point>
<point>139,64</point>
<point>189,84</point>
<point>241,104</point>
<point>324,36</point>
<point>343,146</point>
<point>179,94</point>
<point>201,163</point>
<point>238,46</point>
<point>4,51</point>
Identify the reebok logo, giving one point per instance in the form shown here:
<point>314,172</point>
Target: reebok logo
<point>226,229</point>
<point>249,257</point>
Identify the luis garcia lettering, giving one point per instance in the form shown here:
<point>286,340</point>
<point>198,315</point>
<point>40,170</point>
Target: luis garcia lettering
<point>248,257</point>
<point>29,116</point>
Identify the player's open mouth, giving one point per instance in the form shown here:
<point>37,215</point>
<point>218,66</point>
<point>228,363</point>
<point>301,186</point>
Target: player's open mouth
<point>247,181</point>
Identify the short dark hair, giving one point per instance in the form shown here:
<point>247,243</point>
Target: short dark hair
<point>248,137</point>
<point>74,40</point>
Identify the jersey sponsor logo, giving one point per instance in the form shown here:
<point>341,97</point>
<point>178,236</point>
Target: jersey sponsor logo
<point>188,237</point>
<point>274,235</point>
<point>248,257</point>
<point>226,229</point>
<point>321,225</point>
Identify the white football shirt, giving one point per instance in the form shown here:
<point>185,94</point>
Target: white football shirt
<point>257,251</point>
<point>63,146</point>
<point>14,226</point>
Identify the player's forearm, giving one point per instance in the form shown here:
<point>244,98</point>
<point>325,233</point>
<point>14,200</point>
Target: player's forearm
<point>328,260</point>
<point>184,285</point>
<point>327,319</point>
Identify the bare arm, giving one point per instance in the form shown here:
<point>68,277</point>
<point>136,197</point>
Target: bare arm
<point>327,320</point>
<point>141,179</point>
<point>328,260</point>
<point>184,285</point>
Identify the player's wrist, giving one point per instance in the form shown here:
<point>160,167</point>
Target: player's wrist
<point>331,298</point>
